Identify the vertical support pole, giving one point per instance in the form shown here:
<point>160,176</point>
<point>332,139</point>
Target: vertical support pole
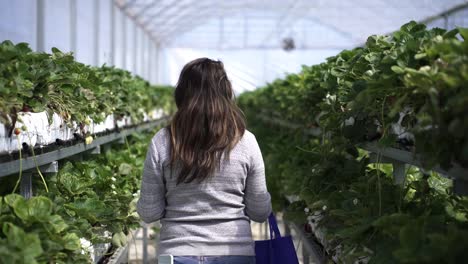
<point>148,57</point>
<point>150,60</point>
<point>304,35</point>
<point>124,42</point>
<point>106,148</point>
<point>156,59</point>
<point>112,31</point>
<point>40,25</point>
<point>305,255</point>
<point>264,66</point>
<point>26,185</point>
<point>97,22</point>
<point>145,244</point>
<point>135,48</point>
<point>445,16</point>
<point>267,230</point>
<point>73,18</point>
<point>142,53</point>
<point>399,172</point>
<point>246,31</point>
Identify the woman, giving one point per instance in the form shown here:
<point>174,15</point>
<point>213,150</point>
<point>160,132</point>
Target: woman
<point>204,175</point>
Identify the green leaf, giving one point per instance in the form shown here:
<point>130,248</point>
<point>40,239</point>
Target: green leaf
<point>19,205</point>
<point>125,169</point>
<point>463,32</point>
<point>29,244</point>
<point>57,223</point>
<point>420,56</point>
<point>40,208</point>
<point>71,242</point>
<point>397,69</point>
<point>452,33</point>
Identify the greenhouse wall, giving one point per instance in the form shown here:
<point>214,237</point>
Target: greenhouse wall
<point>97,32</point>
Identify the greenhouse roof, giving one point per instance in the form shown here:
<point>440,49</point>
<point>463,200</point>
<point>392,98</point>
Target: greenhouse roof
<point>266,24</point>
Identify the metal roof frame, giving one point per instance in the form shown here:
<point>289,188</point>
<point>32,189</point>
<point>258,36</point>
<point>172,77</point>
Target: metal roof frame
<point>167,21</point>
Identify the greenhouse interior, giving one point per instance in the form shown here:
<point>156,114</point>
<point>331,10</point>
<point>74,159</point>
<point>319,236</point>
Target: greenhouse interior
<point>315,131</point>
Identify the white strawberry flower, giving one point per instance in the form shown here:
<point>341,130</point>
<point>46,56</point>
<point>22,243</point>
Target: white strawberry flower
<point>324,208</point>
<point>306,210</point>
<point>355,201</point>
<point>113,179</point>
<point>114,192</point>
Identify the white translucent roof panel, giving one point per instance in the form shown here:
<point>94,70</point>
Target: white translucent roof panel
<point>260,24</point>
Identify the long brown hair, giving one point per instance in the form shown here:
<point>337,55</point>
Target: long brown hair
<point>207,123</point>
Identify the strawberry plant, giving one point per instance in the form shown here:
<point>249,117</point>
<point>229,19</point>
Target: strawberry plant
<point>32,81</point>
<point>89,199</point>
<point>404,90</point>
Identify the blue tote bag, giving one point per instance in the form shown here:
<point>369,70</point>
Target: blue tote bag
<point>276,250</point>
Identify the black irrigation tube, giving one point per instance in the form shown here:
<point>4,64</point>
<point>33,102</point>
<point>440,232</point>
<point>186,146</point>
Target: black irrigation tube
<point>12,167</point>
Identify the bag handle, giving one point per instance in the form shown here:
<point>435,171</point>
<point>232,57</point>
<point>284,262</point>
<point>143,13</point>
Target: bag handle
<point>274,230</point>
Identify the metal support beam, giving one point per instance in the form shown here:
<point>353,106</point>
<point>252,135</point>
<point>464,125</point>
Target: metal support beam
<point>134,18</point>
<point>128,4</point>
<point>26,185</point>
<point>28,163</point>
<point>73,22</point>
<point>149,56</point>
<point>142,54</point>
<point>446,13</point>
<point>146,8</point>
<point>124,41</point>
<point>135,49</point>
<point>112,31</point>
<point>285,21</point>
<point>190,23</point>
<point>166,8</point>
<point>246,31</point>
<point>96,151</point>
<point>97,25</point>
<point>40,26</point>
<point>158,63</point>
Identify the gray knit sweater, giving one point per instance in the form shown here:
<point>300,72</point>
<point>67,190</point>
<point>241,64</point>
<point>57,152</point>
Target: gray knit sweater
<point>208,218</point>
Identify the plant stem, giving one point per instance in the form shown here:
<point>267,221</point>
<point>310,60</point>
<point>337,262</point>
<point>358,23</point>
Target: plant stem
<point>128,145</point>
<point>37,166</point>
<point>379,184</point>
<point>20,165</point>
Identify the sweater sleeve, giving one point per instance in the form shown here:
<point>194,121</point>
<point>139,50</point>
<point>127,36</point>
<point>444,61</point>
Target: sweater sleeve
<point>257,199</point>
<point>152,203</point>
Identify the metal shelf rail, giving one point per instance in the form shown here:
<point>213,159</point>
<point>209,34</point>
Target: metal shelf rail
<point>12,167</point>
<point>120,255</point>
<point>400,158</point>
<point>47,162</point>
<point>397,157</point>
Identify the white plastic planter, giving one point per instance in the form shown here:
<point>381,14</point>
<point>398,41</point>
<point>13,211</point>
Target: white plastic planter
<point>40,132</point>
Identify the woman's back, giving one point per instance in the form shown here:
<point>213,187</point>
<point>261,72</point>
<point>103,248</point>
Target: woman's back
<point>204,175</point>
<point>211,217</point>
